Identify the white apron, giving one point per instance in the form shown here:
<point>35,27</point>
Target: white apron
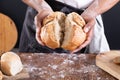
<point>99,42</point>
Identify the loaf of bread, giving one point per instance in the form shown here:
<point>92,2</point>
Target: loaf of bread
<point>63,31</point>
<point>11,63</point>
<point>1,75</point>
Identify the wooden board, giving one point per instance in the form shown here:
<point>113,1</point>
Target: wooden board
<point>8,33</point>
<point>105,62</point>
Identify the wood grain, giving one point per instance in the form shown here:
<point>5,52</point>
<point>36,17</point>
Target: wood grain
<point>105,62</point>
<point>8,33</point>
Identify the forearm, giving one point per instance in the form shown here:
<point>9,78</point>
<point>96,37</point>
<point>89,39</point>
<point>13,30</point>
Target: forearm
<point>105,5</point>
<point>100,6</point>
<point>38,5</point>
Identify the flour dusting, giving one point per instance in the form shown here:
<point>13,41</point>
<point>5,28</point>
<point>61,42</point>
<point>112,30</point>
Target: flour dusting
<point>63,67</point>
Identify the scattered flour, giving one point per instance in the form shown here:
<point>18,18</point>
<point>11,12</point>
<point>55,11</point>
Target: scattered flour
<point>90,68</point>
<point>62,75</point>
<point>66,61</point>
<point>70,60</point>
<point>82,56</point>
<point>53,66</point>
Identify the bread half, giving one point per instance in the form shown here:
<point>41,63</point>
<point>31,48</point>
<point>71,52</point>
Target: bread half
<point>74,34</point>
<point>11,63</point>
<point>51,32</point>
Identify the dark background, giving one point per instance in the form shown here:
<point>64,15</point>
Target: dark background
<point>16,9</point>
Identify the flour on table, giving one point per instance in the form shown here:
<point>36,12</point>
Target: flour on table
<point>61,67</point>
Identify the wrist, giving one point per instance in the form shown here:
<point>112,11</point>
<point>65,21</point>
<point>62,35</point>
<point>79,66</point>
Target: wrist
<point>44,11</point>
<point>89,15</point>
<point>43,7</point>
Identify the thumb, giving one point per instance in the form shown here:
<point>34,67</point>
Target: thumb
<point>86,28</point>
<point>37,21</point>
<point>89,26</point>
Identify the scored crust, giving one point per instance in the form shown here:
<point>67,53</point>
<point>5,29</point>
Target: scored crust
<point>74,35</point>
<point>51,32</point>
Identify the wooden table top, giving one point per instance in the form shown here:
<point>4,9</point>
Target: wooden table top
<point>62,67</point>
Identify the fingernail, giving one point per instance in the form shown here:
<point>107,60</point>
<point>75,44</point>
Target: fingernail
<point>86,30</point>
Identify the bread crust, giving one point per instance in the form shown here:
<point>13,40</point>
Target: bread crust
<point>11,63</point>
<point>51,32</point>
<point>74,34</point>
<point>48,36</point>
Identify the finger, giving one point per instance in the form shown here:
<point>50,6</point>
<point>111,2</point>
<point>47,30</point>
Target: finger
<point>79,48</point>
<point>86,29</point>
<point>76,50</point>
<point>38,38</point>
<point>89,37</point>
<point>37,21</point>
<point>38,29</point>
<point>88,26</point>
<point>71,52</point>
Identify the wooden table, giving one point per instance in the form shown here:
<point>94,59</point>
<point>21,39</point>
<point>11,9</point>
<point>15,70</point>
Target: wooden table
<point>62,67</point>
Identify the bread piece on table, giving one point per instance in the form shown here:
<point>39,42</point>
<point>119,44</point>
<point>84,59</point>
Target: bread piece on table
<point>1,75</point>
<point>116,60</point>
<point>74,34</point>
<point>51,32</point>
<point>11,63</point>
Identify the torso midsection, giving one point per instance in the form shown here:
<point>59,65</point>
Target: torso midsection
<point>81,4</point>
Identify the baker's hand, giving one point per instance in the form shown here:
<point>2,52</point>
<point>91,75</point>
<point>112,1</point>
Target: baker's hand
<point>88,29</point>
<point>38,23</point>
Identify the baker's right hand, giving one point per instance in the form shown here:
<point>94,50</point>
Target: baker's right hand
<point>38,23</point>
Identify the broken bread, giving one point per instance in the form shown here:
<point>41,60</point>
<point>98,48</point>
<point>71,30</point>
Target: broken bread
<point>11,64</point>
<point>63,31</point>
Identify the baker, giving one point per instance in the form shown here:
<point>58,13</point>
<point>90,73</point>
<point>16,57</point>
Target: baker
<point>90,10</point>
